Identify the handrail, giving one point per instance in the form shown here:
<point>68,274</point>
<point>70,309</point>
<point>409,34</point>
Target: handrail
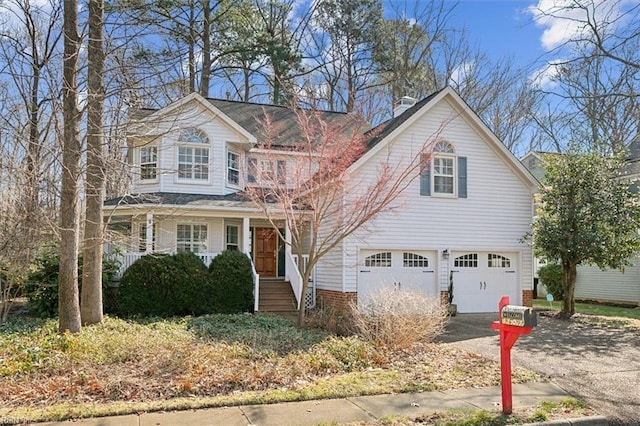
<point>294,277</point>
<point>256,284</point>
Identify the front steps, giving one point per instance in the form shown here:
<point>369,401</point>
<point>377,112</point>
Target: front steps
<point>276,297</point>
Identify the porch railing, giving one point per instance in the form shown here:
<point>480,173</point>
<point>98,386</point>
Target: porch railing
<point>127,259</point>
<point>310,297</point>
<point>294,277</point>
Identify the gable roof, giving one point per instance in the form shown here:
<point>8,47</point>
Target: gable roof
<point>249,118</point>
<point>385,128</point>
<point>385,133</point>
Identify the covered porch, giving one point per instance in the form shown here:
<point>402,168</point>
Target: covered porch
<point>276,270</point>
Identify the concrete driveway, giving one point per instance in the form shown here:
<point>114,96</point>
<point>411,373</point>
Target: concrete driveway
<point>598,364</point>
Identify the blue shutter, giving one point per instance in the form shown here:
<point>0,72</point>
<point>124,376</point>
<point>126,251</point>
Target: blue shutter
<point>425,176</point>
<point>462,177</point>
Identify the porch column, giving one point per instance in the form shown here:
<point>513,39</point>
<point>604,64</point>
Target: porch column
<point>149,236</point>
<point>246,233</point>
<point>287,237</point>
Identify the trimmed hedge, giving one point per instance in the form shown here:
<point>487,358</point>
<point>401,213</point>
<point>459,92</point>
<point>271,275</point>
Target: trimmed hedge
<point>552,277</point>
<point>163,285</point>
<point>232,281</point>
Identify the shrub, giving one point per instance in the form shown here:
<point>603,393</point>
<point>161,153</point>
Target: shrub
<point>232,281</point>
<point>41,287</point>
<point>552,277</point>
<point>399,319</point>
<point>163,285</point>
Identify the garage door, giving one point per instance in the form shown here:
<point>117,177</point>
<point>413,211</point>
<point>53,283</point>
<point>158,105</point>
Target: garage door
<point>480,279</point>
<point>397,269</point>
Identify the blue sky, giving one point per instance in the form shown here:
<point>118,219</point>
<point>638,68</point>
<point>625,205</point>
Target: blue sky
<point>501,28</point>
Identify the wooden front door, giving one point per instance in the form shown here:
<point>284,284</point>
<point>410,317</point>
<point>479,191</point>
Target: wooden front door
<point>265,252</point>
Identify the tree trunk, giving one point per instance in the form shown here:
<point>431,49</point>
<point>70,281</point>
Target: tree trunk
<point>68,304</point>
<point>91,306</point>
<point>570,274</point>
<point>206,49</point>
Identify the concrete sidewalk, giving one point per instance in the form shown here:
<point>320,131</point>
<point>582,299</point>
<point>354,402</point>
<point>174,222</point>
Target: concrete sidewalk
<point>339,411</point>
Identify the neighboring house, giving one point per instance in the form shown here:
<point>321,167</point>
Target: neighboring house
<point>462,218</point>
<point>593,283</point>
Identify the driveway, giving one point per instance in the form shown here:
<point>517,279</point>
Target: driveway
<point>598,364</point>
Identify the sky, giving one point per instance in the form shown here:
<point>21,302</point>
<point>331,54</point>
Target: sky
<point>501,27</point>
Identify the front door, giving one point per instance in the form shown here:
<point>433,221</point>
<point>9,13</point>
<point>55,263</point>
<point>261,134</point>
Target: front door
<point>265,252</point>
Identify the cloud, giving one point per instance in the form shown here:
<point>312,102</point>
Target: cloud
<point>545,78</point>
<point>461,73</point>
<point>564,20</point>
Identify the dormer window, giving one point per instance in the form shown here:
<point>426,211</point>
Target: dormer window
<point>193,155</point>
<point>444,173</point>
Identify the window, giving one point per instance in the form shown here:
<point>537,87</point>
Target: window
<point>443,172</point>
<point>442,175</point>
<point>193,135</point>
<point>193,161</point>
<point>266,171</point>
<point>414,260</point>
<point>191,238</point>
<point>252,166</point>
<point>142,237</point>
<point>233,168</point>
<point>232,237</point>
<point>379,260</point>
<point>469,260</point>
<point>497,261</point>
<point>281,171</point>
<point>148,163</point>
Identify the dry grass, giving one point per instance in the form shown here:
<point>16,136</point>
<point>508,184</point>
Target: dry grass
<point>399,319</point>
<point>207,361</point>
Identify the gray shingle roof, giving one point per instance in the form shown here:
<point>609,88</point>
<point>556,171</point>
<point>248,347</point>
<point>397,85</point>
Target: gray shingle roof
<point>251,117</point>
<point>384,129</point>
<point>179,199</point>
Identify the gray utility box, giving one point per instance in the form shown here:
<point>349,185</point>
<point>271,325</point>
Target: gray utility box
<point>520,316</point>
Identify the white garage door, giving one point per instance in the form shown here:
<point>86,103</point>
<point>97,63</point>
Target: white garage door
<point>480,279</point>
<point>397,269</point>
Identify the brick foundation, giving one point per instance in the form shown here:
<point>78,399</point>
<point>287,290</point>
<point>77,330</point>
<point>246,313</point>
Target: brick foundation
<point>335,300</point>
<point>527,297</point>
<point>444,297</point>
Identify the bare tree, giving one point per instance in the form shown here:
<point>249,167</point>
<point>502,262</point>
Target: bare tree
<point>319,200</point>
<point>594,72</point>
<point>91,303</point>
<point>68,304</point>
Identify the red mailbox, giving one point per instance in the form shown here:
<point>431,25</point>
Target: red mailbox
<point>513,321</point>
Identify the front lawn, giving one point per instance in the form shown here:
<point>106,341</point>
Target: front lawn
<point>129,366</point>
<point>593,309</point>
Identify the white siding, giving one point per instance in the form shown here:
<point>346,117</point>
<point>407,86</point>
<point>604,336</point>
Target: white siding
<point>220,136</point>
<point>495,216</point>
<point>609,285</point>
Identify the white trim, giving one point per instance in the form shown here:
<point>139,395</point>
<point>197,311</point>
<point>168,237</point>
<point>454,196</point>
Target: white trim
<point>135,127</point>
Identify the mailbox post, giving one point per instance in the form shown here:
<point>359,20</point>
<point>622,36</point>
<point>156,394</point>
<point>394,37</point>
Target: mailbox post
<point>513,321</point>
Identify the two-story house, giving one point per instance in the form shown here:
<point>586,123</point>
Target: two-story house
<point>462,218</point>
